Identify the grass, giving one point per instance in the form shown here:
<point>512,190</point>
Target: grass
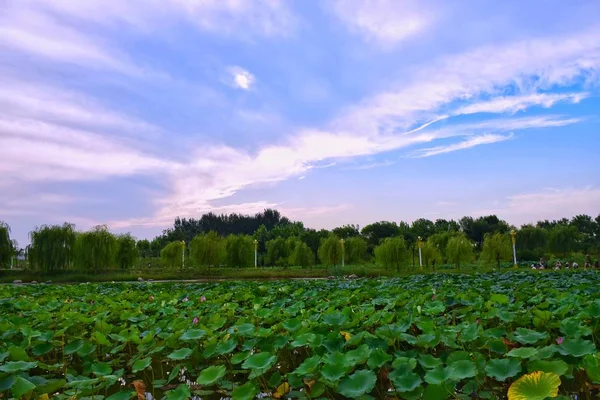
<point>71,276</point>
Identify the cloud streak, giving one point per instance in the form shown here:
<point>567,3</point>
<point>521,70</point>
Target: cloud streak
<point>465,144</point>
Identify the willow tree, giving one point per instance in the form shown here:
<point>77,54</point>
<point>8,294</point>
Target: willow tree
<point>52,247</point>
<point>355,249</point>
<point>278,252</point>
<point>172,254</point>
<point>239,251</point>
<point>95,250</point>
<point>459,250</point>
<point>497,247</point>
<point>330,250</point>
<point>391,253</point>
<point>127,251</point>
<point>302,255</point>
<point>6,245</point>
<point>431,253</point>
<point>207,250</point>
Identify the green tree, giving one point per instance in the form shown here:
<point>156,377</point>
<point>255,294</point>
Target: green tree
<point>562,239</point>
<point>423,227</point>
<point>392,253</point>
<point>497,247</point>
<point>156,246</point>
<point>346,231</point>
<point>52,247</point>
<point>6,245</point>
<point>172,254</point>
<point>355,249</point>
<point>127,251</point>
<point>376,232</point>
<point>431,253</point>
<point>143,247</point>
<point>261,235</point>
<point>239,250</point>
<point>207,250</point>
<point>95,250</point>
<point>278,252</point>
<point>302,255</point>
<point>532,242</point>
<point>459,250</point>
<point>330,251</point>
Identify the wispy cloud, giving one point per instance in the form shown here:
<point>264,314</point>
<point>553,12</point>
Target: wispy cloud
<point>363,167</point>
<point>240,78</point>
<point>387,22</point>
<point>513,104</point>
<point>546,204</point>
<point>465,144</point>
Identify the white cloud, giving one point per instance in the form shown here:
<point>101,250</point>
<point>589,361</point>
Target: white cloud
<point>387,22</point>
<point>547,204</point>
<point>240,78</point>
<point>513,104</point>
<point>465,144</point>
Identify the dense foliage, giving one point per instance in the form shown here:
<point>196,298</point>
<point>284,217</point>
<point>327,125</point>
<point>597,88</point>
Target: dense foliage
<point>435,336</point>
<point>228,240</point>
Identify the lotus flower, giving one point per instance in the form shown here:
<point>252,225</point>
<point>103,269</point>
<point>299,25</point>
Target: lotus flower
<point>560,340</point>
<point>202,299</point>
<point>195,320</point>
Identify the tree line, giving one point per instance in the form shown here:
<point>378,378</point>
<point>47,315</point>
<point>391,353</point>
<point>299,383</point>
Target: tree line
<point>230,240</point>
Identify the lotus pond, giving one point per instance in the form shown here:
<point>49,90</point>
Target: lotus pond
<point>422,336</point>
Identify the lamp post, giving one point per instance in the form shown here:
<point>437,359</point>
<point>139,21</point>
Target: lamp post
<point>255,253</point>
<point>420,243</point>
<point>513,236</point>
<point>342,242</point>
<point>182,254</point>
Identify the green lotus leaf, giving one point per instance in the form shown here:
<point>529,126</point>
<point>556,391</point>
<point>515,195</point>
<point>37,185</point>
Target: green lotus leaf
<point>212,374</point>
<point>73,347</point>
<point>100,339</point>
<point>502,369</point>
<point>335,319</point>
<point>192,334</point>
<point>6,382</point>
<point>334,372</point>
<point>378,358</point>
<point>122,395</point>
<point>437,392</point>
<point>545,352</point>
<point>86,349</point>
<point>523,352</point>
<point>359,355</point>
<point>591,364</point>
<point>535,386</point>
<point>528,336</point>
<point>292,325</point>
<point>246,391</point>
<point>42,348</point>
<point>428,361</point>
<point>462,369</point>
<point>51,386</point>
<point>303,340</point>
<point>259,361</point>
<point>21,386</point>
<point>17,366</point>
<point>469,332</point>
<point>437,375</point>
<point>181,392</point>
<point>308,366</point>
<point>141,364</point>
<point>573,328</point>
<point>576,347</point>
<point>180,354</point>
<point>239,357</point>
<point>101,369</point>
<point>559,367</point>
<point>358,384</point>
<point>404,381</point>
<point>498,298</point>
<point>225,347</point>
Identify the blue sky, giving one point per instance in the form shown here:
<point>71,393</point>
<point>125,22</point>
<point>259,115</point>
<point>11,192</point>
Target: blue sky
<point>336,111</point>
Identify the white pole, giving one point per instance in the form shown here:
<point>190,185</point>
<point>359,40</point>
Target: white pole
<point>342,241</point>
<point>420,258</point>
<point>514,254</point>
<point>255,258</point>
<point>183,255</point>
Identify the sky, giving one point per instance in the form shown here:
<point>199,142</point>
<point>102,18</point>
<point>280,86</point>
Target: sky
<point>131,113</point>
